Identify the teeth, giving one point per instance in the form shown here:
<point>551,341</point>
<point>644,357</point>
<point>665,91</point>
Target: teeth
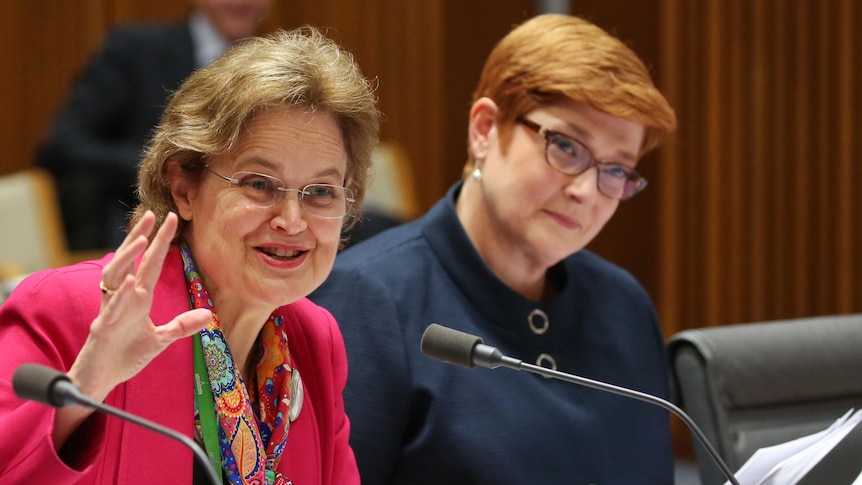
<point>279,253</point>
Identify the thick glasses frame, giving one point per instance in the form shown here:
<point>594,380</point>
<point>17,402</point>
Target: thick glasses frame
<point>275,192</point>
<point>613,180</point>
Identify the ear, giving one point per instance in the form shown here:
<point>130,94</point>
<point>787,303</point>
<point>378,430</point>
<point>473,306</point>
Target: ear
<point>183,190</point>
<point>483,118</point>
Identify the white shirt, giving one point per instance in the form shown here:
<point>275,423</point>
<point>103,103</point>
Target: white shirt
<point>208,42</point>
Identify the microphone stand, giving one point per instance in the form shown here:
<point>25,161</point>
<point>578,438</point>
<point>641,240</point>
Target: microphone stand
<point>200,455</point>
<point>491,357</point>
<point>51,387</point>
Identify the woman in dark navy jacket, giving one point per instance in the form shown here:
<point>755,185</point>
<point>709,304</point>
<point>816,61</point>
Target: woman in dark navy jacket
<point>561,116</point>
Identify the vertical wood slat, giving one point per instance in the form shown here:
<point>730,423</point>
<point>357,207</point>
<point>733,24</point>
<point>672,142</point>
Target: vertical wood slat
<point>734,192</point>
<point>778,250</point>
<point>11,47</point>
<point>800,197</point>
<point>761,187</point>
<point>847,99</point>
<point>672,248</point>
<point>824,148</point>
<point>714,160</point>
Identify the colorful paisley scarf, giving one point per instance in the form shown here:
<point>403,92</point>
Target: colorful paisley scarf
<point>251,444</point>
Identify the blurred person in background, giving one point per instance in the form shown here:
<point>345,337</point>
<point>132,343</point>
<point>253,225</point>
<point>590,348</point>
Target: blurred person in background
<point>97,138</point>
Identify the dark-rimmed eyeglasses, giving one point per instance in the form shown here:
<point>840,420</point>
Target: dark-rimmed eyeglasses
<point>571,157</point>
<point>322,200</point>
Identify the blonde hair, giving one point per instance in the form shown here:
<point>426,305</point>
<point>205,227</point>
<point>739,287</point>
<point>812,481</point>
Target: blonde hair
<point>293,69</point>
<point>553,57</point>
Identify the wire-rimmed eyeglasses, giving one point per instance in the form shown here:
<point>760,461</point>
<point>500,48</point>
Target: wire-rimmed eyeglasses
<point>571,157</point>
<point>322,200</point>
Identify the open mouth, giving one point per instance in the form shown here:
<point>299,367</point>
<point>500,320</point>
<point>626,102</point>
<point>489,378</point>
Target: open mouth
<point>281,254</point>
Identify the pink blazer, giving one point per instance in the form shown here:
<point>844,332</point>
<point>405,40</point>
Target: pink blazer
<point>45,321</point>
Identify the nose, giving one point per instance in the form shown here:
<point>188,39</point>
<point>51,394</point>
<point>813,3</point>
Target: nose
<point>289,215</point>
<point>584,184</point>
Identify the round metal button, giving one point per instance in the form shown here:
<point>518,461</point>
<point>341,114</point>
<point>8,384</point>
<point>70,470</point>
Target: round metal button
<point>538,321</point>
<point>546,361</point>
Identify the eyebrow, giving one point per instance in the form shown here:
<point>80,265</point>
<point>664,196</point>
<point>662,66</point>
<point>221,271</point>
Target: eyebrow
<point>274,167</point>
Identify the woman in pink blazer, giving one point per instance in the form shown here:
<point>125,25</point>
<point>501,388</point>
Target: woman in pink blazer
<point>199,320</point>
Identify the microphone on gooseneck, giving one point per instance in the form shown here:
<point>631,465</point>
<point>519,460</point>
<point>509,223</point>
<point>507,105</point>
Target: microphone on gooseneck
<point>459,348</point>
<point>42,384</point>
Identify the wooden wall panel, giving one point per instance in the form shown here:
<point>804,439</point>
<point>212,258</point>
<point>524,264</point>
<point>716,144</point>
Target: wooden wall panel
<point>759,216</point>
<point>42,45</point>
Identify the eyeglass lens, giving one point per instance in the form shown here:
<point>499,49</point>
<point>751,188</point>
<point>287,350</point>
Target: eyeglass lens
<point>573,158</point>
<point>323,200</point>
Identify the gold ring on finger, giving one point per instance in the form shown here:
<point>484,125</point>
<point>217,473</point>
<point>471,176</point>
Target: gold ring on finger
<point>105,289</point>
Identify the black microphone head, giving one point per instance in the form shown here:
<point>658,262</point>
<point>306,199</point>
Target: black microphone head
<point>36,382</point>
<point>449,345</point>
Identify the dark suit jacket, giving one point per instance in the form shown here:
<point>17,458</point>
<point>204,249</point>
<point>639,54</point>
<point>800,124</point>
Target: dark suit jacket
<point>97,138</point>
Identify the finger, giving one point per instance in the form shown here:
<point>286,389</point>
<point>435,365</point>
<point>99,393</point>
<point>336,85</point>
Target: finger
<point>132,246</point>
<point>143,228</point>
<point>154,257</point>
<point>113,305</point>
<point>184,325</point>
<point>123,263</point>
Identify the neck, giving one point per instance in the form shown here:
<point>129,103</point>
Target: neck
<point>505,258</point>
<point>241,330</point>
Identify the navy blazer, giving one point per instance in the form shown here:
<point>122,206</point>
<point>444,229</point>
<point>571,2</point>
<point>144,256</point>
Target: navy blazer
<point>416,421</point>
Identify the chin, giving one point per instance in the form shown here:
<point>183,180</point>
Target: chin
<point>281,294</point>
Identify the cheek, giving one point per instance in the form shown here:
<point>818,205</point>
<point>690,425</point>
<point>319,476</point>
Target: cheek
<point>328,235</point>
<point>328,240</point>
<point>220,219</point>
<point>219,203</point>
<point>532,189</point>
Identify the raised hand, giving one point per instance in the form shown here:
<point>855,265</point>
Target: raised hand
<point>122,338</point>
